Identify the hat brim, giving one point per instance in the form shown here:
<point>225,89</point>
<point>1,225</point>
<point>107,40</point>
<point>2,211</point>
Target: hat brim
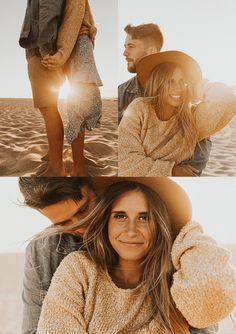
<point>146,65</point>
<point>175,198</point>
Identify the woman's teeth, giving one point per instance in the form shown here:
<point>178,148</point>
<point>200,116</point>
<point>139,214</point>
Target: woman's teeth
<point>175,97</point>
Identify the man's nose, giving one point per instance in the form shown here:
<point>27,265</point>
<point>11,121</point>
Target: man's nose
<point>125,53</point>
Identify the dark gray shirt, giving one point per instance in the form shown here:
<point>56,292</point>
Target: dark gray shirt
<point>130,90</point>
<point>40,25</point>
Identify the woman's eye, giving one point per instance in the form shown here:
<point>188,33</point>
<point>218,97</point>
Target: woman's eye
<point>184,83</point>
<point>120,216</point>
<point>143,218</point>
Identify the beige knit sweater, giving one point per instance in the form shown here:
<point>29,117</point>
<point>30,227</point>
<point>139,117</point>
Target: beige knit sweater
<point>77,20</point>
<point>83,298</point>
<point>141,132</point>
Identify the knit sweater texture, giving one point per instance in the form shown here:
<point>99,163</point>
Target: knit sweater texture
<point>141,132</point>
<point>77,20</point>
<point>83,298</point>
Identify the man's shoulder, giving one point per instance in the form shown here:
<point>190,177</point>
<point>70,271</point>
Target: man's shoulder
<point>60,243</point>
<point>131,83</point>
<point>127,92</point>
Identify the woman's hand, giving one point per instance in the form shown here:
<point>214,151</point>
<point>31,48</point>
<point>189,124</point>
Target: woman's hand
<point>212,91</point>
<point>53,62</point>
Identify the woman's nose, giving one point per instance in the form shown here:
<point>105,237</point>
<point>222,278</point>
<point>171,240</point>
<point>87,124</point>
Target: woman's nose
<point>132,227</point>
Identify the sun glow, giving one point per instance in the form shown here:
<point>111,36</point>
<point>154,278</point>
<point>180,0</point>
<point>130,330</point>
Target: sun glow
<point>65,90</point>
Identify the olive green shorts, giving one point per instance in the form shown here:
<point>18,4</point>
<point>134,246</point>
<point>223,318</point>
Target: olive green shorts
<point>45,84</point>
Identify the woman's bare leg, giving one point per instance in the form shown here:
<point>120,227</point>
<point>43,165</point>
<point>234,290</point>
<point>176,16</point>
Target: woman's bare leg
<point>45,157</point>
<point>55,134</point>
<point>79,162</point>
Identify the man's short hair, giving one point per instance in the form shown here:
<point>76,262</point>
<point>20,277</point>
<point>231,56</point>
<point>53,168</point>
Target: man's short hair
<point>40,192</point>
<point>149,31</point>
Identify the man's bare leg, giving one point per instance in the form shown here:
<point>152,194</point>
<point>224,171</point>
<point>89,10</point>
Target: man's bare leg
<point>79,162</point>
<point>55,134</point>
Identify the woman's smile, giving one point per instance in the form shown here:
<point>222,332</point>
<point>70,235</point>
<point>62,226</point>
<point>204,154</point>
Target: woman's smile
<point>131,243</point>
<point>176,97</point>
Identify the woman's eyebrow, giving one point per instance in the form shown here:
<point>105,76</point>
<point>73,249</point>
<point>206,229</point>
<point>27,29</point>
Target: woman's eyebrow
<point>121,211</point>
<point>118,211</point>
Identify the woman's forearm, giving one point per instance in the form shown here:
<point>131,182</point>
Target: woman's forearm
<point>216,110</point>
<point>69,30</point>
<point>204,285</point>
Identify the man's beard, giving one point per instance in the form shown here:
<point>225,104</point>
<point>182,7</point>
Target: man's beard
<point>131,68</point>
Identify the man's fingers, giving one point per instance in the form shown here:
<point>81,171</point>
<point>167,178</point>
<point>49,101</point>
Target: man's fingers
<point>49,61</point>
<point>191,171</point>
<point>194,170</point>
<point>46,56</point>
<point>49,65</point>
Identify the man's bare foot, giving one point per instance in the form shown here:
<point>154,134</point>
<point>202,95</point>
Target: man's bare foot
<point>81,169</point>
<point>45,157</point>
<point>54,172</point>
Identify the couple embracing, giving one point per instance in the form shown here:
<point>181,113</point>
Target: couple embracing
<point>122,256</point>
<point>167,111</point>
<point>59,37</point>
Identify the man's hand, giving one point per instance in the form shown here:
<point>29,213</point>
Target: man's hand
<point>53,62</point>
<point>184,170</point>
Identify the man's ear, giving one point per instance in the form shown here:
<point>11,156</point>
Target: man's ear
<point>152,49</point>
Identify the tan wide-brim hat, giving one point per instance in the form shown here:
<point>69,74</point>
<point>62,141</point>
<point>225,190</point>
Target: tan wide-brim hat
<point>146,65</point>
<point>175,198</point>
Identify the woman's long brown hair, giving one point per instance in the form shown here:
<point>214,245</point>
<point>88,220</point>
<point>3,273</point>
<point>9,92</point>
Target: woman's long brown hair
<point>157,88</point>
<point>157,265</point>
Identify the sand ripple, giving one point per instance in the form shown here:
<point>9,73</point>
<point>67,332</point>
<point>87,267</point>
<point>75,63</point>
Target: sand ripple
<point>23,140</point>
<point>222,160</point>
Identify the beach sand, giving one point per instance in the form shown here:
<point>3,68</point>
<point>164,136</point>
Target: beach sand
<point>222,160</point>
<point>23,140</point>
<point>11,288</point>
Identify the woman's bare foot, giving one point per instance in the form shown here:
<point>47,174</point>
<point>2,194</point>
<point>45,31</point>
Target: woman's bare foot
<point>80,169</point>
<point>45,157</point>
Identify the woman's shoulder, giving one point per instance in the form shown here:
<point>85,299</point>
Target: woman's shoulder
<point>79,262</point>
<point>138,106</point>
<point>140,101</point>
<point>80,257</point>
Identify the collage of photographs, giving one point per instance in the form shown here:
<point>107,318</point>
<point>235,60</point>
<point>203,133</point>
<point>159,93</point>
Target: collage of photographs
<point>118,167</point>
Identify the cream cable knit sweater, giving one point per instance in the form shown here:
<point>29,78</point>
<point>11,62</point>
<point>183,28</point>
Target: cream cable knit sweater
<point>141,132</point>
<point>83,298</point>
